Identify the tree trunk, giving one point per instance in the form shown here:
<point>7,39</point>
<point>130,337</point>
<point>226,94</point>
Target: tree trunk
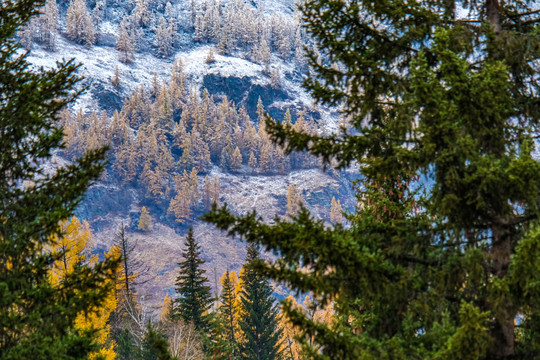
<point>503,330</point>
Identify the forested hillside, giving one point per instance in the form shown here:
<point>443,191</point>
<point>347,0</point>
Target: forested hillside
<point>163,191</point>
<point>178,91</point>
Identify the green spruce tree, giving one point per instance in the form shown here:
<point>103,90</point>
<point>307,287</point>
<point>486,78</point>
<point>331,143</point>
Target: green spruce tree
<point>155,345</point>
<point>194,295</point>
<point>37,317</point>
<point>228,316</point>
<point>259,322</point>
<point>442,257</point>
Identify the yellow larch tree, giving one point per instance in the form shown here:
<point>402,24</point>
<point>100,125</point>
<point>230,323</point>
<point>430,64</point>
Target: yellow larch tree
<point>239,311</point>
<point>75,246</point>
<point>291,348</point>
<point>165,309</point>
<point>336,212</point>
<point>99,320</point>
<point>293,200</point>
<point>145,222</point>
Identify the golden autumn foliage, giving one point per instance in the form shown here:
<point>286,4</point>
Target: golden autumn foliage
<point>75,246</point>
<point>293,199</point>
<point>235,297</point>
<point>336,212</point>
<point>165,308</point>
<point>291,346</point>
<point>145,222</point>
<point>99,320</point>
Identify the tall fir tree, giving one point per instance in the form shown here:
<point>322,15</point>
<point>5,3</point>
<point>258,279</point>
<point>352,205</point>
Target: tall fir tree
<point>259,321</point>
<point>228,313</point>
<point>38,317</point>
<point>191,285</point>
<point>442,256</point>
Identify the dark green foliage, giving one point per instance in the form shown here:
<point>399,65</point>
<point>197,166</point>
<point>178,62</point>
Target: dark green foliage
<point>194,295</point>
<point>443,250</point>
<point>217,343</point>
<point>226,308</point>
<point>125,349</point>
<point>155,346</point>
<point>37,318</point>
<point>259,315</point>
<point>224,335</point>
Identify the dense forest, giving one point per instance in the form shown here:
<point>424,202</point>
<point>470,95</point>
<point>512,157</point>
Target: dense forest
<point>440,258</point>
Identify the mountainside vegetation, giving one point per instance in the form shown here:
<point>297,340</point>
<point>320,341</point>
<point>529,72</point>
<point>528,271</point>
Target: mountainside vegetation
<point>396,217</point>
<point>180,139</point>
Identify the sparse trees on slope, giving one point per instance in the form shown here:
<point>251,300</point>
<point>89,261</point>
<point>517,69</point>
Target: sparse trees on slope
<point>80,27</point>
<point>187,195</point>
<point>125,43</point>
<point>211,191</point>
<point>47,24</point>
<point>38,317</point>
<point>164,38</point>
<point>115,81</point>
<point>140,16</point>
<point>191,285</point>
<point>299,52</point>
<point>261,52</point>
<point>441,269</point>
<point>26,34</point>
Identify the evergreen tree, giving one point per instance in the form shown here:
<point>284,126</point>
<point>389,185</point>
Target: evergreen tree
<point>38,317</point>
<point>194,295</point>
<point>259,322</point>
<point>155,345</point>
<point>228,312</point>
<point>438,268</point>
